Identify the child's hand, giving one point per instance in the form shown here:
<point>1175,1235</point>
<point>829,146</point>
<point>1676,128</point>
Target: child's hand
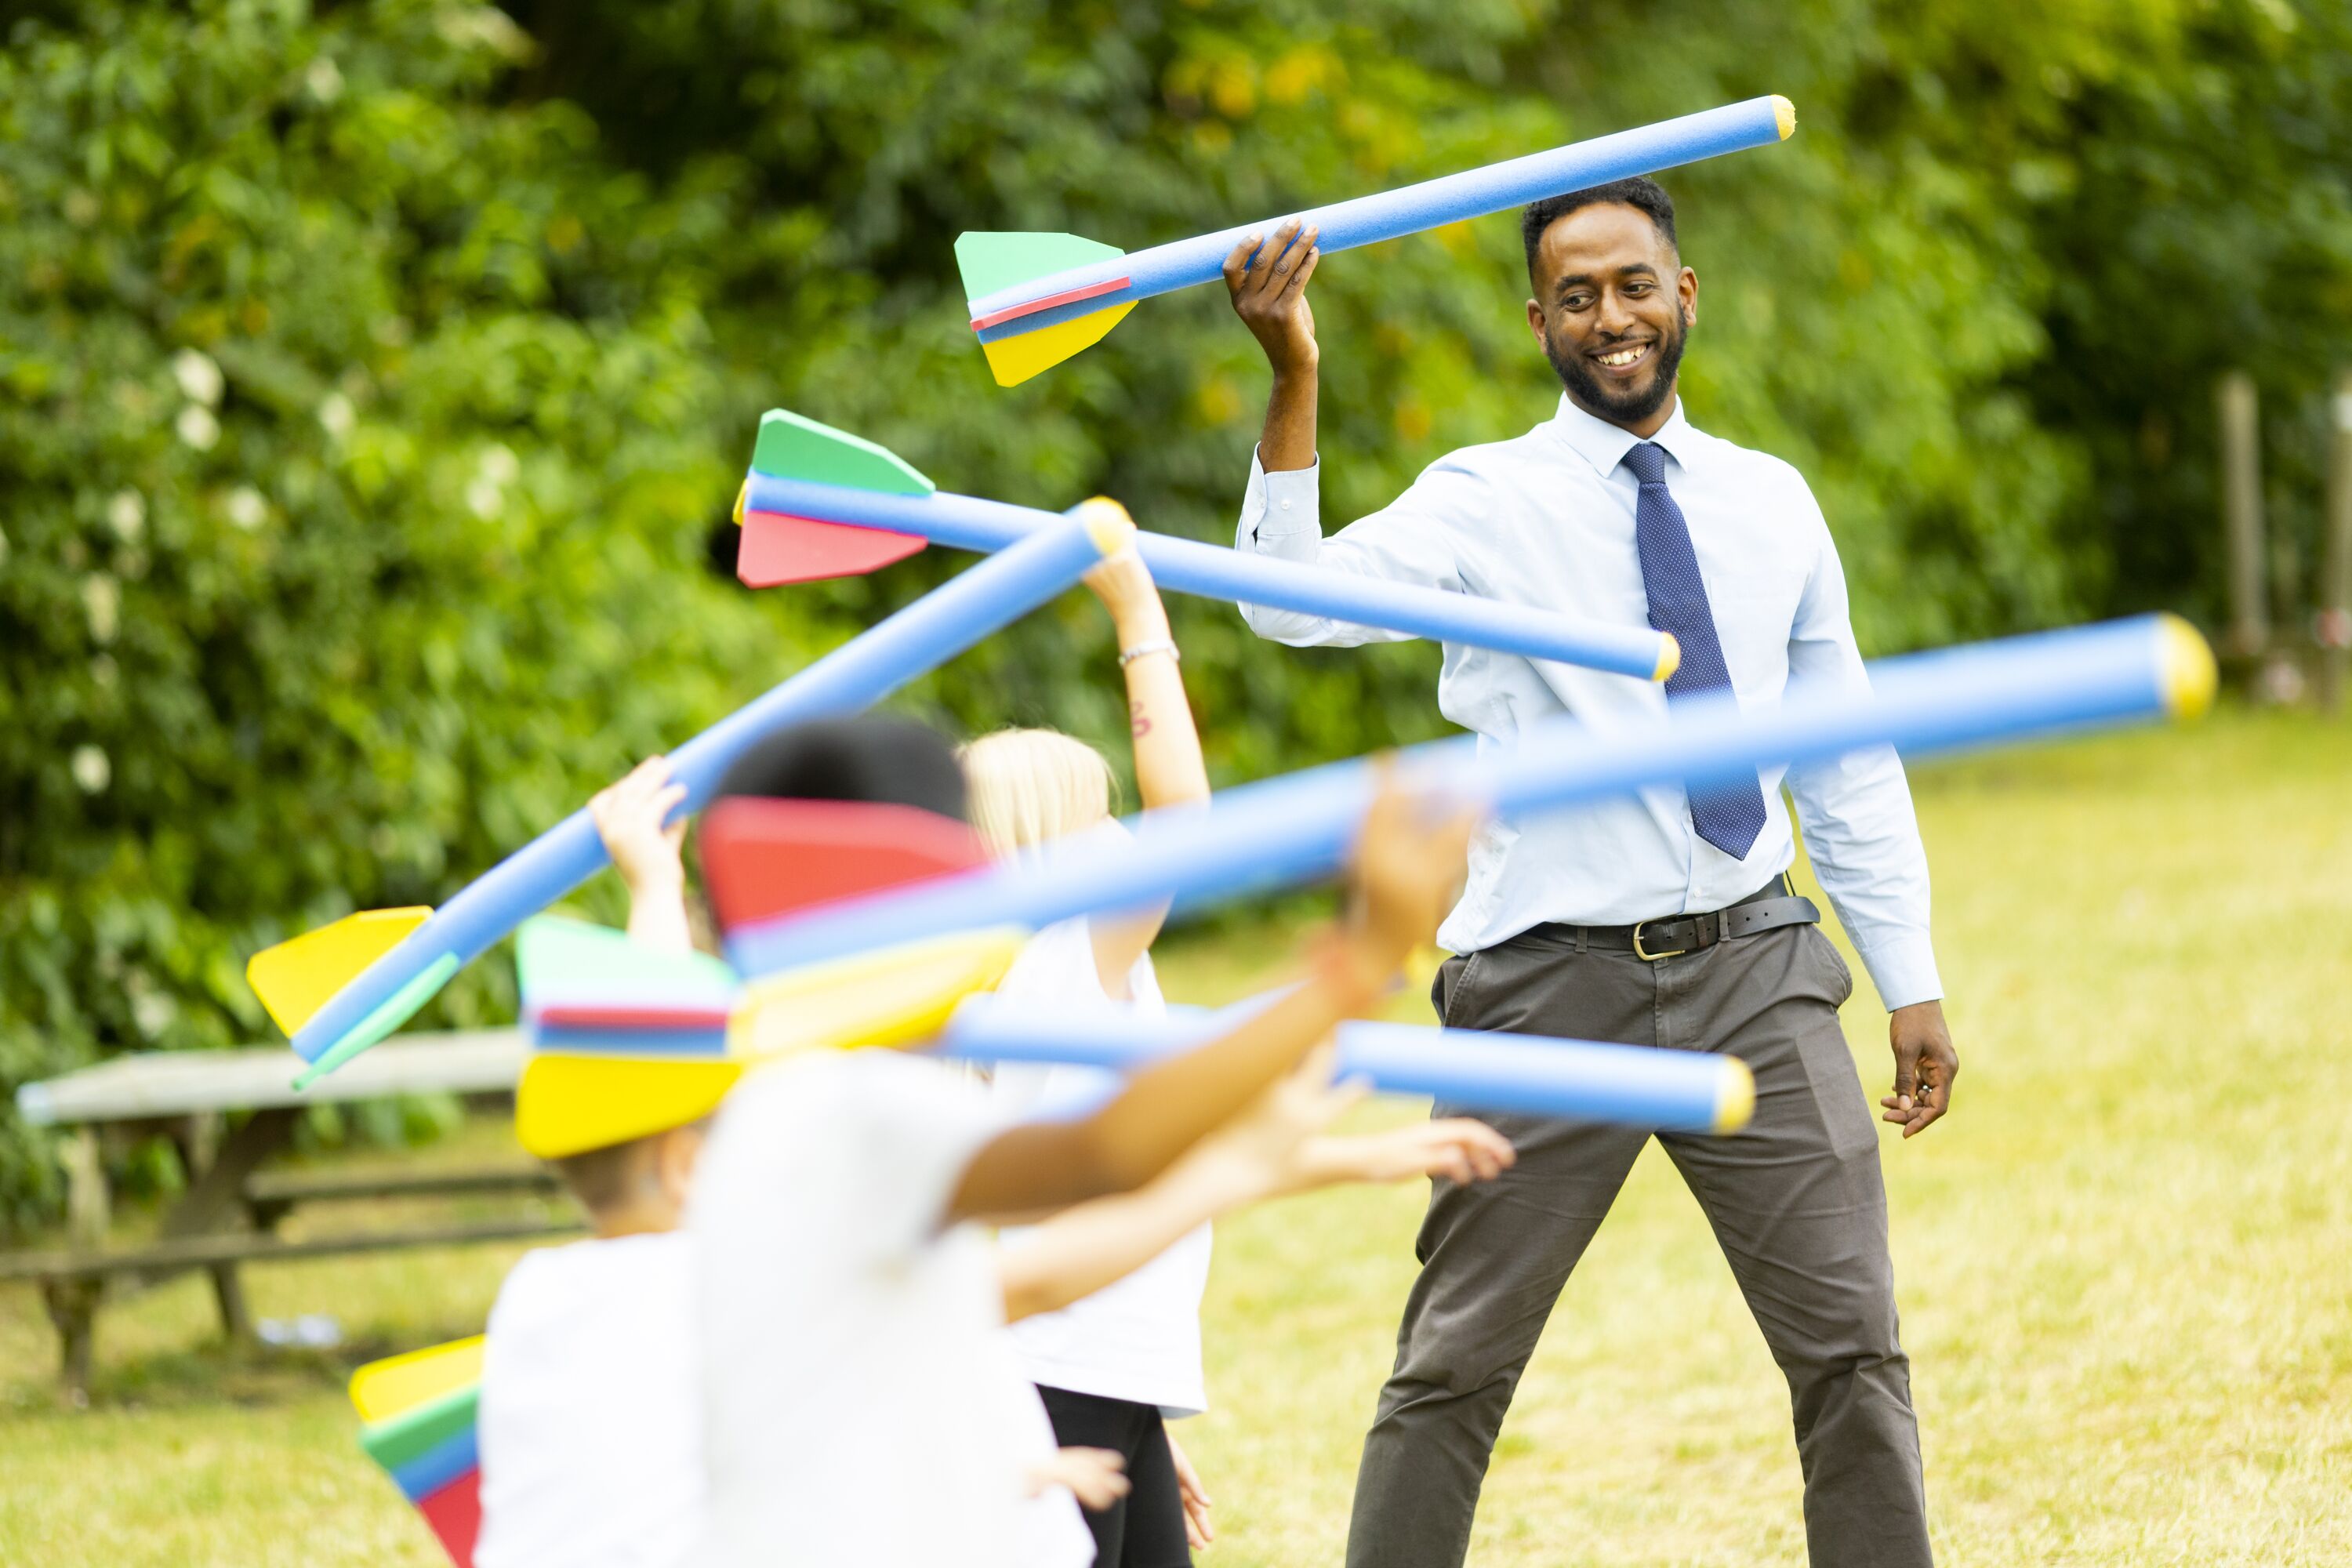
<point>1255,1155</point>
<point>1123,583</point>
<point>1406,870</point>
<point>1458,1149</point>
<point>1094,1476</point>
<point>629,817</point>
<point>1198,1532</point>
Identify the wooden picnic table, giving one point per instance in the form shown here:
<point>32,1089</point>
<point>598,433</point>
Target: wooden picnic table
<point>230,1211</point>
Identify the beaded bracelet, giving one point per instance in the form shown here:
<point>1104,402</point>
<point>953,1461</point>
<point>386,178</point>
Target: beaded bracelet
<point>1128,656</point>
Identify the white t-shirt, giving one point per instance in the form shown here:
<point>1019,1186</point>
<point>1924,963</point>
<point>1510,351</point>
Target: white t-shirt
<point>1139,1338</point>
<point>590,1430</point>
<point>862,1407</point>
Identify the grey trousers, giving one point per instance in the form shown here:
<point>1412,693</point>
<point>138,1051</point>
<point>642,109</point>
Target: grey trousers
<point>1795,1201</point>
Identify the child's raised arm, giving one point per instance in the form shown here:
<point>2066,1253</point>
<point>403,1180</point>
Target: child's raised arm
<point>1406,868</point>
<point>1169,770</point>
<point>1273,1149</point>
<point>629,817</point>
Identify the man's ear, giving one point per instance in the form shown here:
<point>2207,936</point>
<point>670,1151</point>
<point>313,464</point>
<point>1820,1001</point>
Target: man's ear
<point>1686,287</point>
<point>1536,325</point>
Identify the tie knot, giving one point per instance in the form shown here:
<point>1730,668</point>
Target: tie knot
<point>1648,461</point>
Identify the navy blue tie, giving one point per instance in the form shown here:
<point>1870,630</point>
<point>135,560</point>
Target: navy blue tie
<point>1727,815</point>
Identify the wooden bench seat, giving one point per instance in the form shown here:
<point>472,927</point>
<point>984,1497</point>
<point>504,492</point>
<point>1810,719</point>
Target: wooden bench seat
<point>73,1283</point>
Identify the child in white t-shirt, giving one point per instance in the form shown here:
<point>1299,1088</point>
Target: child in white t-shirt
<point>591,1420</point>
<point>1112,1367</point>
<point>857,1391</point>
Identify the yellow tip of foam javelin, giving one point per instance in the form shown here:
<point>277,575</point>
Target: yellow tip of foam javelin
<point>1735,1096</point>
<point>742,500</point>
<point>1015,360</point>
<point>1785,114</point>
<point>400,1382</point>
<point>2188,675</point>
<point>1107,524</point>
<point>1670,657</point>
<point>297,978</point>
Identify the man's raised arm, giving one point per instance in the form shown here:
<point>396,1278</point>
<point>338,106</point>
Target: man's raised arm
<point>1281,510</point>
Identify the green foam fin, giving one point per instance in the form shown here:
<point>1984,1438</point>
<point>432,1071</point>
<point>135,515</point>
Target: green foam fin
<point>397,1439</point>
<point>793,447</point>
<point>993,262</point>
<point>395,1010</point>
<point>552,950</point>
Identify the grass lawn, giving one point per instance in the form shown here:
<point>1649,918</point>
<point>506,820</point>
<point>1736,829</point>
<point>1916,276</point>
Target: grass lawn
<point>2124,1260</point>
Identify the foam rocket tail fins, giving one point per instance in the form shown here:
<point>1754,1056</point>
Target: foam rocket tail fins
<point>776,549</point>
<point>892,996</point>
<point>298,977</point>
<point>761,857</point>
<point>1015,360</point>
<point>991,262</point>
<point>382,1389</point>
<point>585,980</point>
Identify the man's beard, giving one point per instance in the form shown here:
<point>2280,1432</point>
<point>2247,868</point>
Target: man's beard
<point>1630,408</point>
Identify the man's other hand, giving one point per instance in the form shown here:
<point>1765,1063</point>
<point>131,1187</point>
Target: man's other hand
<point>1925,1066</point>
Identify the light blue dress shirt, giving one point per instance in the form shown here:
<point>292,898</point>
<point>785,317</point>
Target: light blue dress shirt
<point>1546,519</point>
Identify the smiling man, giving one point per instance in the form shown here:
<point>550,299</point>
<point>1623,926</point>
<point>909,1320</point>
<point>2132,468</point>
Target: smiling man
<point>1663,919</point>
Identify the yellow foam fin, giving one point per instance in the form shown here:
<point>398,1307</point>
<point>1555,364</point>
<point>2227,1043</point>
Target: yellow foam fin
<point>387,1387</point>
<point>297,978</point>
<point>569,1104</point>
<point>893,996</point>
<point>1015,360</point>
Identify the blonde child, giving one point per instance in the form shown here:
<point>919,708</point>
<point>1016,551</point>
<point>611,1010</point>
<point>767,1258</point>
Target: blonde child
<point>857,1386</point>
<point>1113,1367</point>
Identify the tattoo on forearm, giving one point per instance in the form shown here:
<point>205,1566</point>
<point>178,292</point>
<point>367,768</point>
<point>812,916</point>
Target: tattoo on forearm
<point>1137,720</point>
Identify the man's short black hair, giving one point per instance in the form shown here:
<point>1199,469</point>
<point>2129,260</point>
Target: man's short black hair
<point>895,762</point>
<point>1641,191</point>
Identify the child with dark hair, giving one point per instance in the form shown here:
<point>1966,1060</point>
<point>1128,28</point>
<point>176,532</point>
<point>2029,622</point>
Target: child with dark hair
<point>860,1404</point>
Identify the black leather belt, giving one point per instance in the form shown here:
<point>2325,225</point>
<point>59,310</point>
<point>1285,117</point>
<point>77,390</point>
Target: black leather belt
<point>1769,908</point>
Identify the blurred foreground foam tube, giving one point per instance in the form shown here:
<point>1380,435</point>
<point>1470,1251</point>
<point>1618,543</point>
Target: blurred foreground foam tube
<point>1298,828</point>
<point>1476,1069</point>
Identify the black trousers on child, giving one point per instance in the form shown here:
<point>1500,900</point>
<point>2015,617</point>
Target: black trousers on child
<point>1145,1529</point>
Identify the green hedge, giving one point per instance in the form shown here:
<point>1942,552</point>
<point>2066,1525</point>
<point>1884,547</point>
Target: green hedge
<point>372,378</point>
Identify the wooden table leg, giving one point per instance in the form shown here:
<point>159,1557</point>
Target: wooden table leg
<point>73,1308</point>
<point>88,1211</point>
<point>217,1201</point>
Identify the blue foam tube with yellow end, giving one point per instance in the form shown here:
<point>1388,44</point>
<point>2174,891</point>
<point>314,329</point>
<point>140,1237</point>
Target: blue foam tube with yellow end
<point>1211,571</point>
<point>1298,829</point>
<point>1392,215</point>
<point>1477,1070</point>
<point>853,677</point>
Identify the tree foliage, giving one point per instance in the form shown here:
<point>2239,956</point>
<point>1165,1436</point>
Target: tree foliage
<point>371,377</point>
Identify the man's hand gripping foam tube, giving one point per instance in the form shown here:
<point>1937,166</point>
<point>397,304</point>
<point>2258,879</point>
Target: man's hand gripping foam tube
<point>337,994</point>
<point>1037,298</point>
<point>819,502</point>
<point>1298,828</point>
<point>1476,1069</point>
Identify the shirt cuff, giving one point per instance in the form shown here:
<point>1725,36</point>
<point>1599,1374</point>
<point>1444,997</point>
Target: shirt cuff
<point>1287,502</point>
<point>1902,967</point>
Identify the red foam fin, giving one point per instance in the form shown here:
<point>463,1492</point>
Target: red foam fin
<point>615,1017</point>
<point>455,1512</point>
<point>776,549</point>
<point>1046,302</point>
<point>763,857</point>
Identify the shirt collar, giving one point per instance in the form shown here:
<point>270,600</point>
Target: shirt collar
<point>1605,445</point>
